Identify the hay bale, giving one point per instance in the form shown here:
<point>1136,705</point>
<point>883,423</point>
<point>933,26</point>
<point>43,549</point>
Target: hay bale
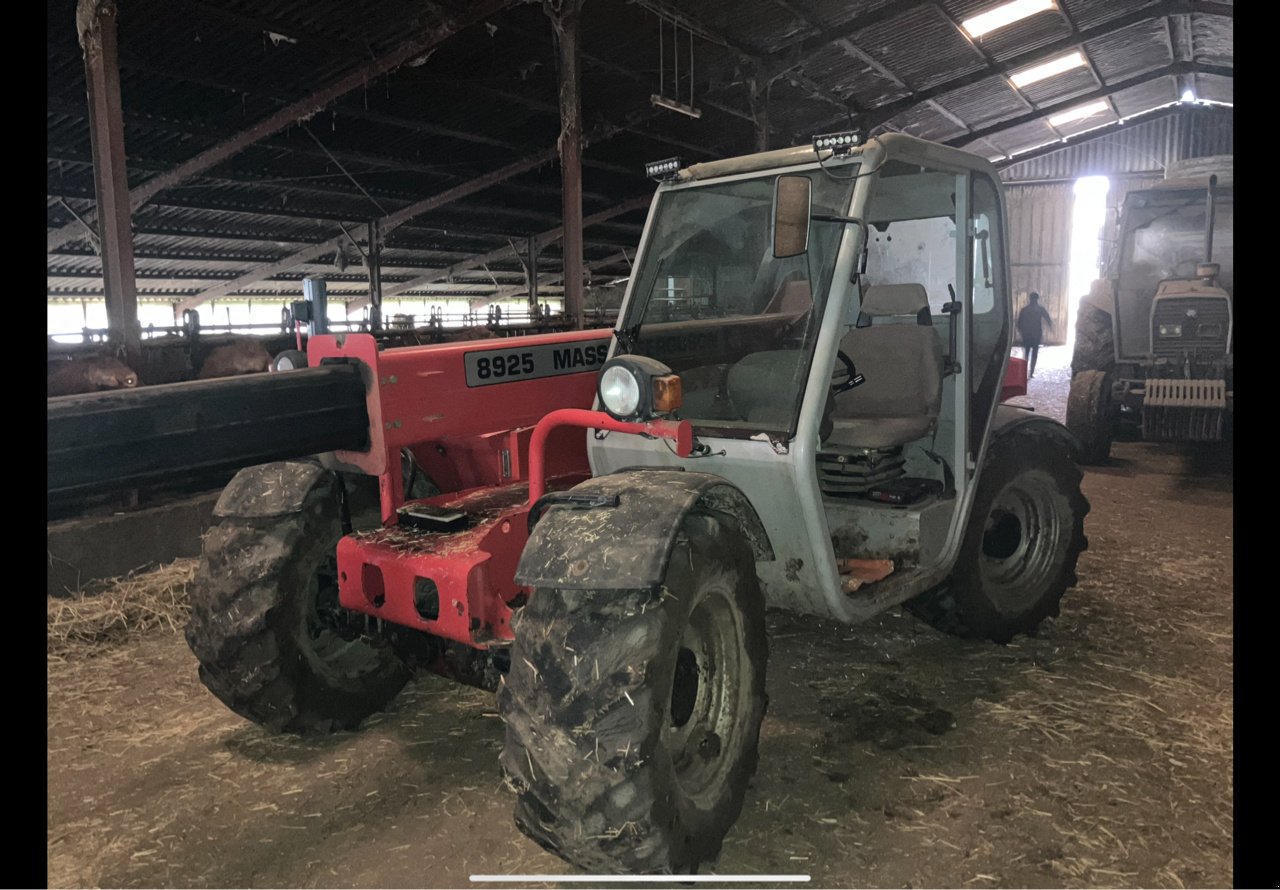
<point>112,611</point>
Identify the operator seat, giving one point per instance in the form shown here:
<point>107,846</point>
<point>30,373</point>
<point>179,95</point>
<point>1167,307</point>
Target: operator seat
<point>894,346</point>
<point>792,297</point>
<point>763,386</point>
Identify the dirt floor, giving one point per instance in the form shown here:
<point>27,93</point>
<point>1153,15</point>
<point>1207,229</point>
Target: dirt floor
<point>1097,754</point>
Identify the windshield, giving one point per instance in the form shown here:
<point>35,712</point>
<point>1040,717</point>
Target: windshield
<point>1162,238</point>
<point>712,302</point>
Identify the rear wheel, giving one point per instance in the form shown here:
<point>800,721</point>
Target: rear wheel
<point>633,717</point>
<point>272,641</point>
<point>1018,558</point>
<point>1089,415</point>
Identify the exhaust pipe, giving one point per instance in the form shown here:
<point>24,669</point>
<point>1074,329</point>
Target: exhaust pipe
<point>1208,220</point>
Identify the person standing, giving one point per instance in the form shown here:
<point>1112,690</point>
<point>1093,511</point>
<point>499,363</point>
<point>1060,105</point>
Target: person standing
<point>1030,325</point>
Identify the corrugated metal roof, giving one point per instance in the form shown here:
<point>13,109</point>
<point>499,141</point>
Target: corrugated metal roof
<point>984,102</point>
<point>1213,39</point>
<point>1136,100</point>
<point>1129,51</point>
<point>1067,85</point>
<point>1028,34</point>
<point>194,72</point>
<point>920,46</point>
<point>1147,146</point>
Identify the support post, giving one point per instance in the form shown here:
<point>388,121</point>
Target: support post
<point>532,265</point>
<point>375,276</point>
<point>566,18</point>
<point>96,24</point>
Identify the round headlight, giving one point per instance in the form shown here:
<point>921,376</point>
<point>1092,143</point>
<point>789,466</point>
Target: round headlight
<point>619,391</point>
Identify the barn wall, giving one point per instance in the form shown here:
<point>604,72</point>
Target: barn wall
<point>1040,249</point>
<point>1039,194</point>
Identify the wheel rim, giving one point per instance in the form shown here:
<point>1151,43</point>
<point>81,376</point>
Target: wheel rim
<point>706,695</point>
<point>1022,540</point>
<point>324,624</point>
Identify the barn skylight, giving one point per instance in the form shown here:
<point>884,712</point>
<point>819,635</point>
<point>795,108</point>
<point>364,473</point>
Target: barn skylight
<point>1048,69</point>
<point>1005,14</point>
<point>1079,113</point>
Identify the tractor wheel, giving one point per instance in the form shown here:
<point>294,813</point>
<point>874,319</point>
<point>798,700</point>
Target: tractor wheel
<point>1095,341</point>
<point>1019,553</point>
<point>267,628</point>
<point>289,360</point>
<point>633,716</point>
<point>1089,415</point>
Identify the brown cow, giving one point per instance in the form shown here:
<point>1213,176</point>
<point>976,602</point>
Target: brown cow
<point>70,376</point>
<point>247,356</point>
<point>472,333</point>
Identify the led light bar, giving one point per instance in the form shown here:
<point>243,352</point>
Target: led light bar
<point>661,170</point>
<point>838,143</point>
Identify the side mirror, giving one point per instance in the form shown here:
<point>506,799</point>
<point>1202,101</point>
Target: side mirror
<point>792,206</point>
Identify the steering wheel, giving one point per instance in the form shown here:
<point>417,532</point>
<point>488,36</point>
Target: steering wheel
<point>849,372</point>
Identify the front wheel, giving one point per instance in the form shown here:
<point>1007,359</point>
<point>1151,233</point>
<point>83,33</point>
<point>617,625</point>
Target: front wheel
<point>272,640</point>
<point>633,717</point>
<point>1025,534</point>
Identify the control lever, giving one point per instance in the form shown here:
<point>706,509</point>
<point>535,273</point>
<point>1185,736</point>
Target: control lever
<point>952,309</point>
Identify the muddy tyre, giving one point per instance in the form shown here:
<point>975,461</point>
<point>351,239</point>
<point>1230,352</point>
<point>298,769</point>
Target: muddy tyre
<point>266,627</point>
<point>1095,341</point>
<point>1089,415</point>
<point>633,717</point>
<point>1019,552</point>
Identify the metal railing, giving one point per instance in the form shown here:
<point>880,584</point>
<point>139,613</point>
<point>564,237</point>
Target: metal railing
<point>493,318</point>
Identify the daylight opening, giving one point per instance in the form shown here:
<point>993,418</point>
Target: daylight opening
<point>1087,217</point>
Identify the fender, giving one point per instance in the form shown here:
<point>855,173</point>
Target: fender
<point>1010,417</point>
<point>624,543</point>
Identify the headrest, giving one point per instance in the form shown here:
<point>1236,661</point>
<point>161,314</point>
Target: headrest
<point>894,299</point>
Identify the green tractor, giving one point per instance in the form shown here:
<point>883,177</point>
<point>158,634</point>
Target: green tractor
<point>1153,348</point>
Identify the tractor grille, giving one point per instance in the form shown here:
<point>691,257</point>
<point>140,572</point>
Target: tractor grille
<point>1193,328</point>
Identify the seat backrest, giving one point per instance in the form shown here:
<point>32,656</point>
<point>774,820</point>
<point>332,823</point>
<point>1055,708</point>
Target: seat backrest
<point>763,387</point>
<point>894,346</point>
<point>793,297</point>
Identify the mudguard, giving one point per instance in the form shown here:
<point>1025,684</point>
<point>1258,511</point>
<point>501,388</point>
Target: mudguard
<point>625,543</point>
<point>1010,417</point>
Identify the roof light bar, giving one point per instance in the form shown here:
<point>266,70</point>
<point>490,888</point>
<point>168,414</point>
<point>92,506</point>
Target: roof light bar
<point>1079,113</point>
<point>1051,68</point>
<point>839,144</point>
<point>663,170</point>
<point>1005,14</point>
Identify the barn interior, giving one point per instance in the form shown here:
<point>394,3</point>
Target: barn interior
<point>226,179</point>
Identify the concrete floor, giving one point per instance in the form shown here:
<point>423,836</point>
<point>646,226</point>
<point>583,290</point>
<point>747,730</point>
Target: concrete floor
<point>1097,754</point>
